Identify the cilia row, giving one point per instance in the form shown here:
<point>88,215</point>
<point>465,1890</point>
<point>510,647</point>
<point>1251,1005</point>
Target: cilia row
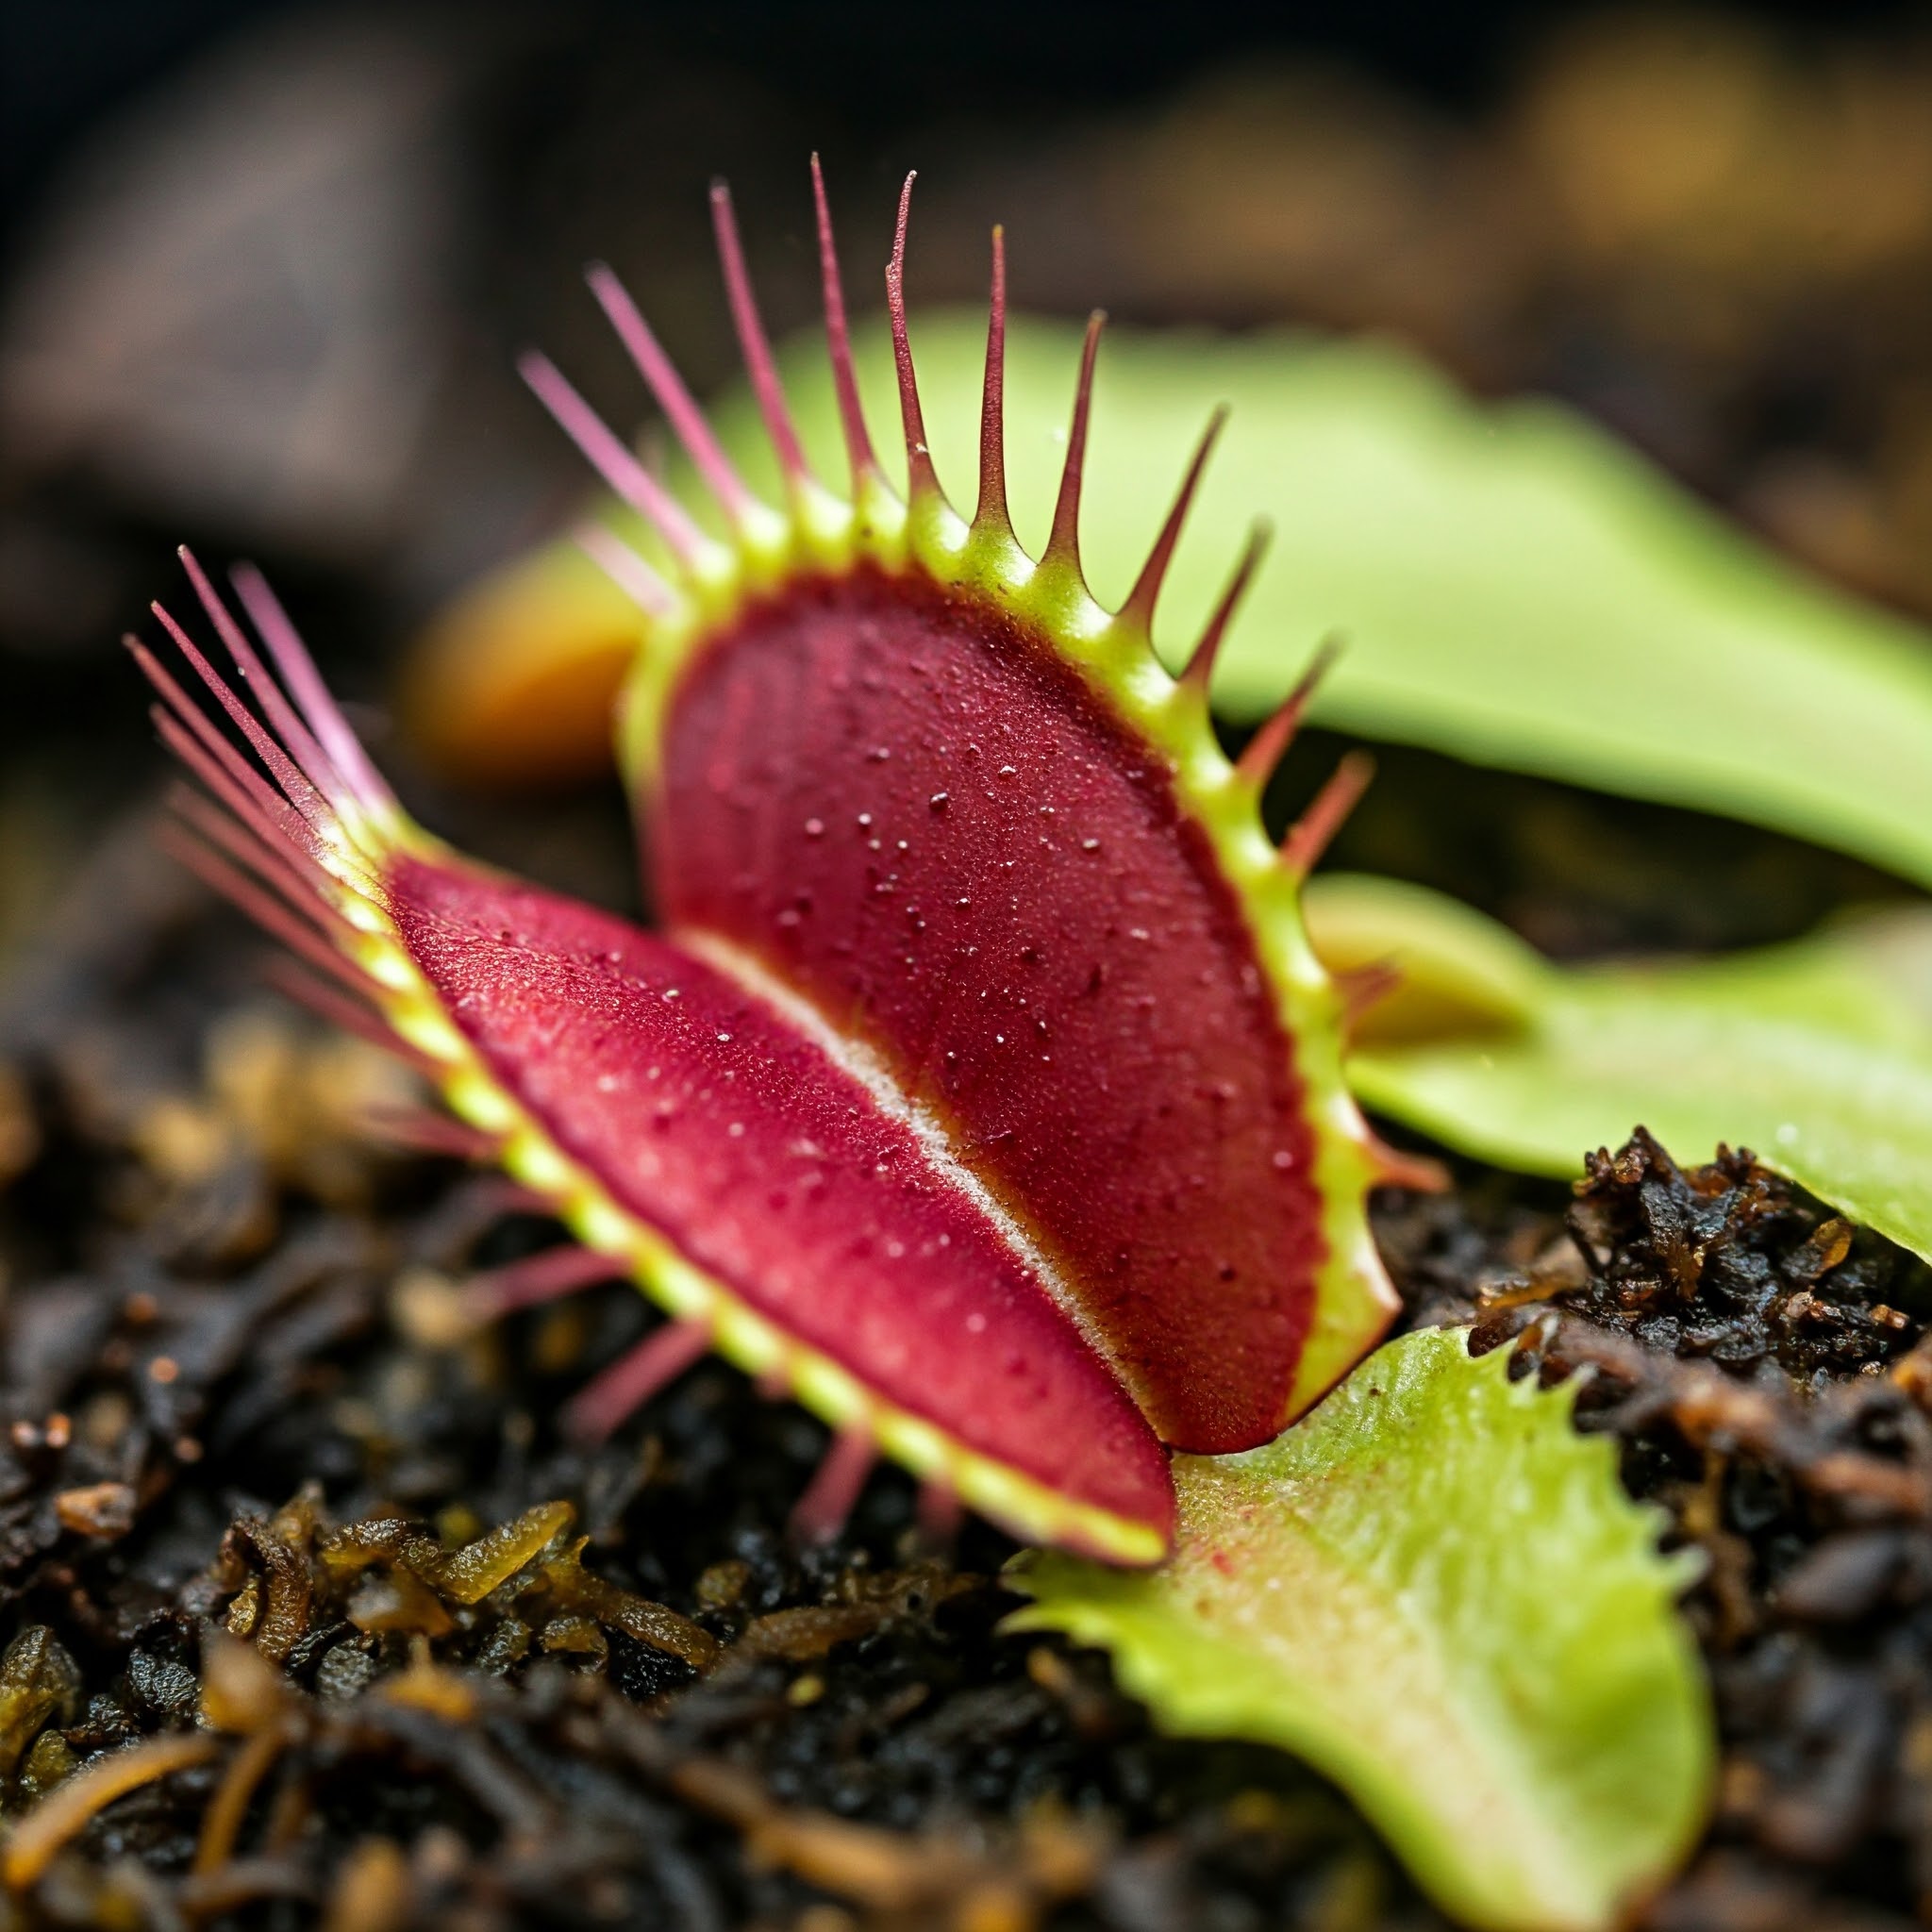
<point>979,1089</point>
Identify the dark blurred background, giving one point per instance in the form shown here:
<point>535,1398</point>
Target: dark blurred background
<point>264,268</point>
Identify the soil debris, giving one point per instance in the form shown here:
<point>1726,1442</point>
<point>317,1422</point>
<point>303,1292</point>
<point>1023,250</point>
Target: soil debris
<point>1768,1372</point>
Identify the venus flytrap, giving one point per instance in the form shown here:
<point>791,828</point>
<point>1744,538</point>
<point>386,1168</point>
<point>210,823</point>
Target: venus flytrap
<point>982,1092</point>
<point>980,1087</point>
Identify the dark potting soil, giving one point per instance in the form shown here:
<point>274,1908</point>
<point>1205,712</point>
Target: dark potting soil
<point>260,1460</point>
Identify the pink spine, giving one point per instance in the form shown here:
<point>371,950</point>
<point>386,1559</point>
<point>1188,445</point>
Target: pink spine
<point>298,671</point>
<point>309,756</point>
<point>858,449</point>
<point>992,513</point>
<point>752,342</point>
<point>1063,541</point>
<point>295,786</point>
<point>633,1378</point>
<point>1139,609</point>
<point>674,399</point>
<point>922,479</point>
<point>1200,669</point>
<point>1270,745</point>
<point>608,455</point>
<point>1310,835</point>
<point>820,1514</point>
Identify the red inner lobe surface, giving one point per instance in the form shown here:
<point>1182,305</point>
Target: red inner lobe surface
<point>901,801</point>
<point>706,1114</point>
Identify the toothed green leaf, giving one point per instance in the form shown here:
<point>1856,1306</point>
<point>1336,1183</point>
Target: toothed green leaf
<point>1437,1592</point>
<point>1515,586</point>
<point>1816,1055</point>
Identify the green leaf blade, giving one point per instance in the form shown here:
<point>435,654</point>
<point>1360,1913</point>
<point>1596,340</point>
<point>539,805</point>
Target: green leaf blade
<point>1438,1593</point>
<point>1817,1055</point>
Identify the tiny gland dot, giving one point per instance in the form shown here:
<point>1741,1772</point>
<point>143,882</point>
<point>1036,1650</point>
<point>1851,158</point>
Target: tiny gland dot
<point>814,829</point>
